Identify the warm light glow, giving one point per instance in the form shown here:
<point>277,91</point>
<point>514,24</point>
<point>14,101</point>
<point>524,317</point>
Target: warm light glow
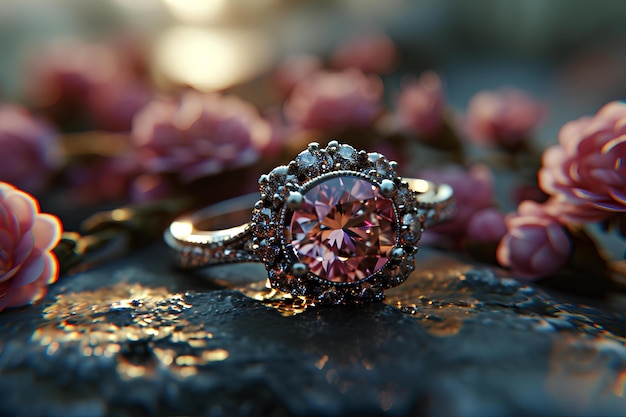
<point>180,230</point>
<point>121,214</point>
<point>212,59</point>
<point>421,186</point>
<point>137,5</point>
<point>196,10</point>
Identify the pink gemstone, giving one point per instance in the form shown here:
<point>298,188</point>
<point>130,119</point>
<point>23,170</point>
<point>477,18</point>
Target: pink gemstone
<point>343,229</point>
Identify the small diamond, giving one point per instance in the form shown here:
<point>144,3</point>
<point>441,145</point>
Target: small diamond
<point>262,218</point>
<point>345,157</point>
<point>279,172</point>
<point>381,164</point>
<point>412,223</point>
<point>306,159</point>
<point>312,164</point>
<point>347,153</point>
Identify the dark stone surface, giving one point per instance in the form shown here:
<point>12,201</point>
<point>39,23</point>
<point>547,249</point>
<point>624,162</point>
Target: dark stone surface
<point>133,337</point>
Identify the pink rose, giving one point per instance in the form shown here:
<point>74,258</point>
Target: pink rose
<point>293,70</point>
<point>29,149</point>
<point>375,53</point>
<point>535,244</point>
<point>568,213</point>
<point>421,104</point>
<point>505,118</point>
<point>198,135</point>
<point>586,171</point>
<point>63,73</point>
<point>27,237</point>
<point>112,104</point>
<point>335,100</point>
<point>486,225</point>
<point>98,82</point>
<point>473,191</point>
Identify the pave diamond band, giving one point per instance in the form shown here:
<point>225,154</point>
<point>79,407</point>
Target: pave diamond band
<point>335,225</point>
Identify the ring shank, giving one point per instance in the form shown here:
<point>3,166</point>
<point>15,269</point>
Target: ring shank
<point>221,233</point>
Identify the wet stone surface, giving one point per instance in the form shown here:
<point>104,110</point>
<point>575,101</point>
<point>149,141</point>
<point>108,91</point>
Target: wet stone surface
<point>134,337</point>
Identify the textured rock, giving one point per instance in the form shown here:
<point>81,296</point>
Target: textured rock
<point>134,337</point>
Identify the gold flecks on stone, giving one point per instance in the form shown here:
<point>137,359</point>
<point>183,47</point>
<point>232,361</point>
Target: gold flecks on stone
<point>130,322</point>
<point>286,304</point>
<point>445,294</point>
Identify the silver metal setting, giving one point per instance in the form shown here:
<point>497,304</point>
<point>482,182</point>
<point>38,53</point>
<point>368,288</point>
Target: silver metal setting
<point>417,204</point>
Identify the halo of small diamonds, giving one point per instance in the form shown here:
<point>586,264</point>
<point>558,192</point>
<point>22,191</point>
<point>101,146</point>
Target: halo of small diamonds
<point>282,191</point>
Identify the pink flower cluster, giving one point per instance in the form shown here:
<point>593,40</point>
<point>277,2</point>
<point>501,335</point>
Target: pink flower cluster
<point>535,244</point>
<point>586,172</point>
<point>27,237</point>
<point>100,82</point>
<point>29,149</point>
<point>328,100</point>
<point>505,118</point>
<point>476,218</point>
<point>372,53</point>
<point>198,135</point>
<point>421,105</point>
<point>585,175</point>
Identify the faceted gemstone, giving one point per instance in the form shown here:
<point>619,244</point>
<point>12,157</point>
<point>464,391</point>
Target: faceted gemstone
<point>345,157</point>
<point>343,229</point>
<point>414,226</point>
<point>306,159</point>
<point>347,152</point>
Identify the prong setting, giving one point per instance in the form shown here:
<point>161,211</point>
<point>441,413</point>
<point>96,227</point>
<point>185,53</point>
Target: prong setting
<point>397,254</point>
<point>299,269</point>
<point>288,186</point>
<point>294,200</point>
<point>387,188</point>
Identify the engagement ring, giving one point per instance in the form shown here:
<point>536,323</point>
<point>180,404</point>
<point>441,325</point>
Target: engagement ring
<point>335,225</point>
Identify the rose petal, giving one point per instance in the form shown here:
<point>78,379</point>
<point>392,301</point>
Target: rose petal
<point>24,295</point>
<point>47,231</point>
<point>606,177</point>
<point>503,252</point>
<point>544,262</point>
<point>524,243</point>
<point>50,274</point>
<point>24,248</point>
<point>618,195</point>
<point>5,216</point>
<point>608,206</point>
<point>584,194</point>
<point>29,272</point>
<point>7,243</point>
<point>24,207</point>
<point>559,241</point>
<point>20,254</point>
<point>613,144</point>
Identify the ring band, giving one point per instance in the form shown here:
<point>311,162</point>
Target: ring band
<point>335,225</point>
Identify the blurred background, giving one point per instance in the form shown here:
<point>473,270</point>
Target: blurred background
<point>91,66</point>
<point>569,53</point>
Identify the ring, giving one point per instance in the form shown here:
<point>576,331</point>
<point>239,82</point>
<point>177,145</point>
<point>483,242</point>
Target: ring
<point>335,225</point>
